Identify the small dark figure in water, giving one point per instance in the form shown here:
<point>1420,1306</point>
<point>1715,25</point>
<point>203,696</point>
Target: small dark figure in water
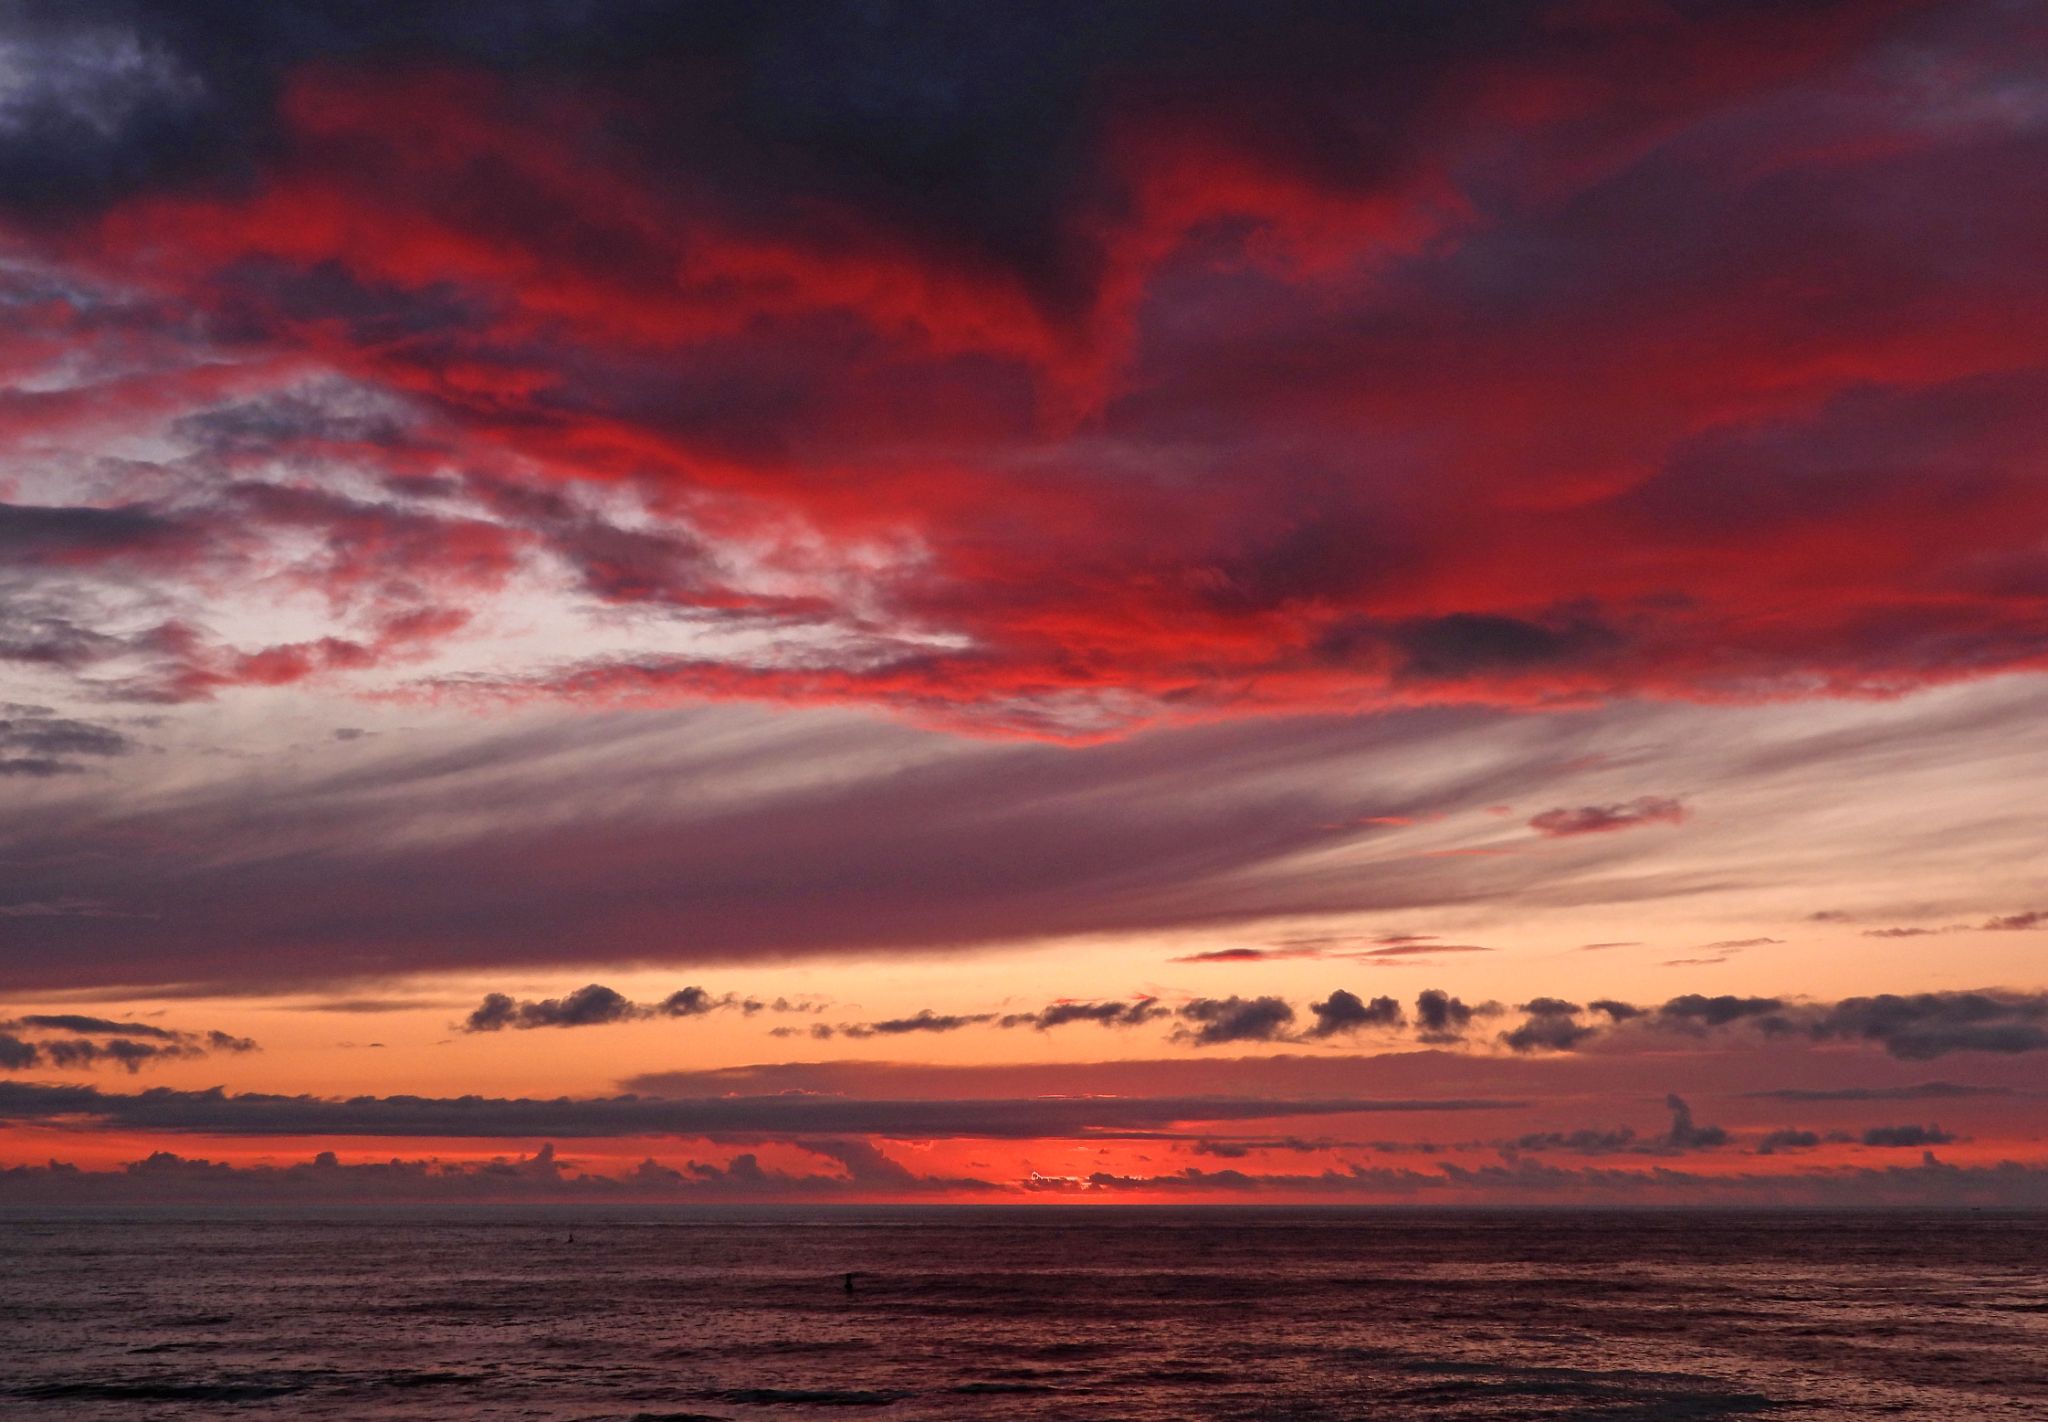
<point>849,1285</point>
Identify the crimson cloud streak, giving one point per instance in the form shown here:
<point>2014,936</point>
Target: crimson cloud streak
<point>1155,364</point>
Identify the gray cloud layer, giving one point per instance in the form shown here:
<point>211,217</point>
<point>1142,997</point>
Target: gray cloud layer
<point>854,1170</point>
<point>572,841</point>
<point>743,1116</point>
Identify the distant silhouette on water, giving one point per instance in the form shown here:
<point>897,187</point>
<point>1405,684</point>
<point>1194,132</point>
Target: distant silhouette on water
<point>849,1285</point>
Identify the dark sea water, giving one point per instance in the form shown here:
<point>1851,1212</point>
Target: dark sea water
<point>1084,1314</point>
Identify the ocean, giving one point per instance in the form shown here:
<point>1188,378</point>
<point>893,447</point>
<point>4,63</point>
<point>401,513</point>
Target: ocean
<point>610,1314</point>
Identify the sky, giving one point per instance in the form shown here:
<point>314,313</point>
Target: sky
<point>1378,604</point>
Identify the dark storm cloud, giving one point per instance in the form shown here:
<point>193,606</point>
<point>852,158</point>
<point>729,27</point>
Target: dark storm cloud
<point>1344,1011</point>
<point>1789,1138</point>
<point>1599,819</point>
<point>1103,1014</point>
<point>1236,1019</point>
<point>16,1054</point>
<point>723,1116</point>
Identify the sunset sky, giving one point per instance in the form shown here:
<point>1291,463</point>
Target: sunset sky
<point>1408,603</point>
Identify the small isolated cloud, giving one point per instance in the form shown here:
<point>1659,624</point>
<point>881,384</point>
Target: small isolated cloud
<point>593,1005</point>
<point>1441,1018</point>
<point>1552,1025</point>
<point>1102,1014</point>
<point>2017,922</point>
<point>1685,1134</point>
<point>1391,945</point>
<point>1563,823</point>
<point>923,1020</point>
<point>1722,950</point>
<point>1344,1011</point>
<point>1236,1019</point>
<point>1248,955</point>
<point>687,1002</point>
<point>589,1006</point>
<point>1418,950</point>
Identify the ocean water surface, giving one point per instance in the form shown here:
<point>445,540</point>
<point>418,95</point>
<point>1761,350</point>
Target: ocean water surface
<point>653,1313</point>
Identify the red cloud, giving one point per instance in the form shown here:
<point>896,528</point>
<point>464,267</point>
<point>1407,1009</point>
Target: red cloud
<point>1603,362</point>
<point>1599,819</point>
